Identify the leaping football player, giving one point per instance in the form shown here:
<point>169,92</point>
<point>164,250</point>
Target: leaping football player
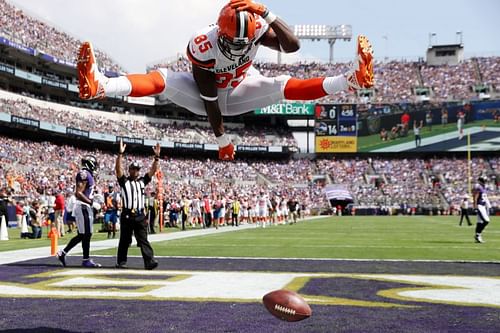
<point>223,81</point>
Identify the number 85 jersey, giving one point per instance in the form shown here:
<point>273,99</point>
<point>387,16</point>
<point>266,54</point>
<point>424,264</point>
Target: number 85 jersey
<point>204,50</point>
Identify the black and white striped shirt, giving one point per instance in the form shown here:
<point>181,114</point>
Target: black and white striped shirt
<point>132,192</point>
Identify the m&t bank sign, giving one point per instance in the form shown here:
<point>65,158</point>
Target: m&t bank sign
<point>287,109</point>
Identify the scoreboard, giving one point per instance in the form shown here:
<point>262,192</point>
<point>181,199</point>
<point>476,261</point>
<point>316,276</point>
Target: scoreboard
<point>336,128</point>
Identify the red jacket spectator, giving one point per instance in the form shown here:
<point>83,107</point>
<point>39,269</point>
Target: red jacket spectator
<point>19,209</point>
<point>59,202</point>
<point>405,119</point>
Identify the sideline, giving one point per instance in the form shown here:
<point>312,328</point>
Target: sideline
<point>9,257</point>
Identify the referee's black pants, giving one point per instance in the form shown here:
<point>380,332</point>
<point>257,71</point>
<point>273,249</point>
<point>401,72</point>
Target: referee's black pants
<point>464,213</point>
<point>137,225</point>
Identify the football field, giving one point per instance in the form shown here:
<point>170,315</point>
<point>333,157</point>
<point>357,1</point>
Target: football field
<point>358,274</point>
<point>347,237</point>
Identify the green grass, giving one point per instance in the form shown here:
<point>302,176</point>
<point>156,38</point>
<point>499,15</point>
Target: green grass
<point>416,237</point>
<point>372,142</point>
<point>360,237</point>
<point>16,243</point>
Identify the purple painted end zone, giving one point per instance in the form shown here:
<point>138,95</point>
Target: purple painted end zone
<point>60,315</point>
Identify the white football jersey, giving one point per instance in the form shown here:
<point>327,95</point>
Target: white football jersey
<point>203,50</point>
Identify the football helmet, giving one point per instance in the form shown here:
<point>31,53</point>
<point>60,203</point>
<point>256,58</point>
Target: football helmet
<point>482,180</point>
<point>89,162</point>
<point>236,34</point>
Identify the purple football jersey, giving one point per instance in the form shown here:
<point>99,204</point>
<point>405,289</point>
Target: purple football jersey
<point>85,175</point>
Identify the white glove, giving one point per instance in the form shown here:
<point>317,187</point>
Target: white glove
<point>96,205</point>
<point>98,198</point>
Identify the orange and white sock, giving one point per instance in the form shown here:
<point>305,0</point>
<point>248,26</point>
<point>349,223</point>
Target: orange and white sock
<point>136,85</point>
<point>310,89</point>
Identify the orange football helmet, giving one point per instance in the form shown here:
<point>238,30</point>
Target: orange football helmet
<point>236,32</point>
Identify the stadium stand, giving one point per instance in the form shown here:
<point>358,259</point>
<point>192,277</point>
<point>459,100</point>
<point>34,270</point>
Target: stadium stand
<point>395,81</point>
<point>31,168</point>
<point>387,184</point>
<point>31,32</point>
<point>136,126</point>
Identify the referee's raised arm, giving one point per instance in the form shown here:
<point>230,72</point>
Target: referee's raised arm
<point>118,165</point>
<point>156,162</point>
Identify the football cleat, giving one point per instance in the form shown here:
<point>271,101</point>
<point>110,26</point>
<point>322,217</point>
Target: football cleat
<point>89,263</point>
<point>89,78</point>
<point>62,257</point>
<point>361,74</point>
<point>479,239</point>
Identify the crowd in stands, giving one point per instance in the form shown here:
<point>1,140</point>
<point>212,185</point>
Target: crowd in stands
<point>489,67</point>
<point>407,182</point>
<point>450,175</point>
<point>451,82</point>
<point>395,81</point>
<point>26,30</point>
<point>35,168</point>
<point>150,128</point>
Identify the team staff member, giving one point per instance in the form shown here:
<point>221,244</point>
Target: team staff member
<point>464,211</point>
<point>133,218</point>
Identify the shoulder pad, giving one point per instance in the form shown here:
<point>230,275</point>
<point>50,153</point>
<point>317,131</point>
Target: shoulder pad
<point>83,175</point>
<point>202,46</point>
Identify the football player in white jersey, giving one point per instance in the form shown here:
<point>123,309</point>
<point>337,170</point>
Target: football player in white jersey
<point>223,81</point>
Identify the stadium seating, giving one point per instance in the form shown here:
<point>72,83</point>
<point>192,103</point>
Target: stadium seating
<point>21,28</point>
<point>31,168</point>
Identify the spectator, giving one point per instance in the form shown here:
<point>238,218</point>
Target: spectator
<point>58,212</point>
<point>416,131</point>
<point>35,217</point>
<point>383,135</point>
<point>428,120</point>
<point>444,116</point>
<point>405,120</point>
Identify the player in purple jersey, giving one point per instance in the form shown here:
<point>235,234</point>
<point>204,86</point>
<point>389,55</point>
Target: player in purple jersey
<point>481,207</point>
<point>83,212</point>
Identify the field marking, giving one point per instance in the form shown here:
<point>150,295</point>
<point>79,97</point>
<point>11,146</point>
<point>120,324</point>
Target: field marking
<point>7,257</point>
<point>315,259</point>
<point>469,246</point>
<point>81,283</point>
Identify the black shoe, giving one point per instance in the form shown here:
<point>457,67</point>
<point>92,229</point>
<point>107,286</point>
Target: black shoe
<point>122,265</point>
<point>151,265</point>
<point>62,257</point>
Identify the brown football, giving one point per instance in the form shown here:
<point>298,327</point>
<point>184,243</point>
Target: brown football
<point>287,305</point>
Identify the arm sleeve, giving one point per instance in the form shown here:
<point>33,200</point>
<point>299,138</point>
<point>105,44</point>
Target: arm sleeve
<point>121,181</point>
<point>146,179</point>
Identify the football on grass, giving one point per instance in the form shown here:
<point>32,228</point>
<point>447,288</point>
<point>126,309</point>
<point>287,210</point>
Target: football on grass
<point>287,305</point>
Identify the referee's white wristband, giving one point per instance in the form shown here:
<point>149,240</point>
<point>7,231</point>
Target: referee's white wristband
<point>223,140</point>
<point>208,98</point>
<point>270,18</point>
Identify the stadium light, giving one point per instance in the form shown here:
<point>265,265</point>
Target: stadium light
<point>460,36</point>
<point>324,32</point>
<point>431,35</point>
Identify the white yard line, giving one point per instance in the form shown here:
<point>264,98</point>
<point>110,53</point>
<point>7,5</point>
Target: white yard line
<point>9,257</point>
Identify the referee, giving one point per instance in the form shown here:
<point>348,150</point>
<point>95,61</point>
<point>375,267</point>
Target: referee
<point>133,219</point>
